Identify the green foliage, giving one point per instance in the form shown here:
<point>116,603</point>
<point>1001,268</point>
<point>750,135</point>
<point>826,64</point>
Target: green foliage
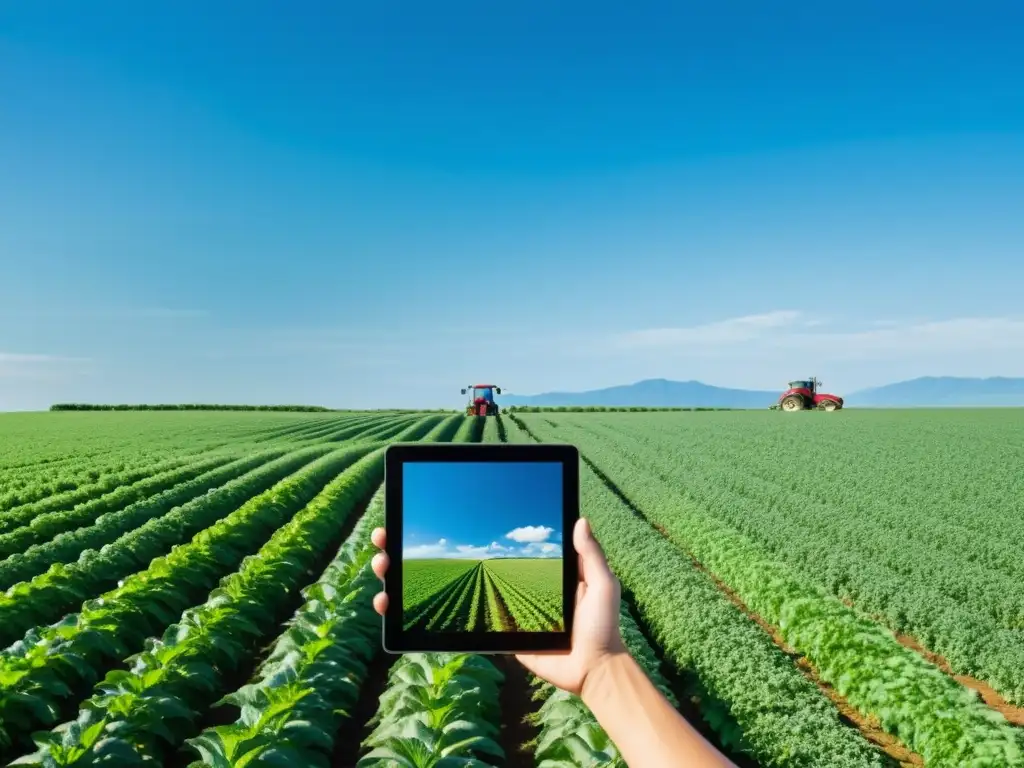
<point>570,736</point>
<point>929,711</point>
<point>152,705</point>
<point>44,669</point>
<point>311,679</point>
<point>439,710</point>
<point>511,594</point>
<point>186,407</point>
<point>606,408</point>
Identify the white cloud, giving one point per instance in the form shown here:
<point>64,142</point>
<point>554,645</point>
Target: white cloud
<point>732,331</point>
<point>425,551</point>
<point>545,549</point>
<point>530,533</point>
<point>442,549</point>
<point>474,553</point>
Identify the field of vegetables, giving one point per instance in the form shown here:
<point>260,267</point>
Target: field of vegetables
<point>500,595</point>
<point>193,589</point>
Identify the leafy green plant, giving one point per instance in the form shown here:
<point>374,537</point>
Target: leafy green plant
<point>50,664</point>
<point>311,678</point>
<point>439,711</point>
<point>152,705</point>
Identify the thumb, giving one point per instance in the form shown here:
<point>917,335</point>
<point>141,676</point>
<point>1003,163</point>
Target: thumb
<point>595,565</point>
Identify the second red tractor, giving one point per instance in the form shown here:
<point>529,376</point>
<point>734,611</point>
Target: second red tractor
<point>806,395</point>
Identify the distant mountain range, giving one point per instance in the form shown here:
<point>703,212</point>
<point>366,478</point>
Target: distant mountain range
<point>923,392</point>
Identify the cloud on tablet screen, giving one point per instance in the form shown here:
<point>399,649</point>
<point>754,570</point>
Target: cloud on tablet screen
<point>530,534</point>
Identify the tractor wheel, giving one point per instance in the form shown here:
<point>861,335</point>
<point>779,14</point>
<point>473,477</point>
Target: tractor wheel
<point>828,405</point>
<point>793,403</point>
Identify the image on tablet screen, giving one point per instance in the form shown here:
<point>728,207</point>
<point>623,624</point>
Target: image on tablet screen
<point>482,547</point>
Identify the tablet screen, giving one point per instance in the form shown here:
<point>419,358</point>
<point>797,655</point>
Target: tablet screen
<point>482,546</point>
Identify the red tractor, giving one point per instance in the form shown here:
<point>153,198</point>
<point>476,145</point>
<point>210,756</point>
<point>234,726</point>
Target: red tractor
<point>481,400</point>
<point>806,395</point>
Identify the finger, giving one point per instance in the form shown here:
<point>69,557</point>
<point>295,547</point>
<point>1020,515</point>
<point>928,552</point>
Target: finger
<point>380,564</point>
<point>595,566</point>
<point>380,603</point>
<point>379,538</point>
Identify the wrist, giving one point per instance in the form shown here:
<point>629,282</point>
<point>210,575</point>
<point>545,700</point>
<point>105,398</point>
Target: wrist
<point>604,671</point>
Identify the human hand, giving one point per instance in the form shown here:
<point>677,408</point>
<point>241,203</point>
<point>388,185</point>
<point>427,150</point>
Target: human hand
<point>595,633</point>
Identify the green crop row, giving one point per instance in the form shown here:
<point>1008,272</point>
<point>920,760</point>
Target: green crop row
<point>137,715</point>
<point>51,594</point>
<point>34,482</point>
<point>45,526</point>
<point>311,680</point>
<point>929,712</point>
<point>137,482</point>
<point>570,736</point>
<point>437,706</point>
<point>784,717</point>
<point>51,664</point>
<point>925,558</point>
<point>420,428</point>
<point>84,531</point>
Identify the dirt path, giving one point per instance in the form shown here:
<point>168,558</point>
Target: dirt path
<point>348,740</point>
<point>868,726</point>
<point>516,703</point>
<point>505,619</point>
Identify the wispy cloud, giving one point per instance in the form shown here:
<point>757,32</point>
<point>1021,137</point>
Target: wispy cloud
<point>793,330</point>
<point>18,365</point>
<point>732,331</point>
<point>530,541</point>
<point>109,313</point>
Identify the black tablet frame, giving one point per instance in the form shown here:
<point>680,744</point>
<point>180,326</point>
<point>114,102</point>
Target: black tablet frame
<point>398,640</point>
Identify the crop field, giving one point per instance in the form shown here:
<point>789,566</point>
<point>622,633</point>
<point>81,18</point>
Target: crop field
<point>193,589</point>
<point>497,595</point>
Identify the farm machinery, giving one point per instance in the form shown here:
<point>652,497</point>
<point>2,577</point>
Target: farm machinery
<point>481,400</point>
<point>806,395</point>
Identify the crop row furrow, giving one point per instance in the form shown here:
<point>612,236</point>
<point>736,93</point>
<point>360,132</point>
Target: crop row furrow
<point>785,718</point>
<point>138,715</point>
<point>49,595</point>
<point>933,715</point>
<point>437,705</point>
<point>51,664</point>
<point>46,526</point>
<point>130,484</point>
<point>530,614</point>
<point>87,534</point>
<point>312,677</point>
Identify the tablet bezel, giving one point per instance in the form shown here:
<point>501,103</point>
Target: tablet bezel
<point>398,640</point>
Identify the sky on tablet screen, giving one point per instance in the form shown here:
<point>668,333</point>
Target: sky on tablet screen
<point>482,510</point>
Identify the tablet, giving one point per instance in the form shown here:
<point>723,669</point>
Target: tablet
<point>480,542</point>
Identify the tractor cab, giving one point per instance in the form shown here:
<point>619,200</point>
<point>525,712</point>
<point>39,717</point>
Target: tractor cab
<point>804,384</point>
<point>481,400</point>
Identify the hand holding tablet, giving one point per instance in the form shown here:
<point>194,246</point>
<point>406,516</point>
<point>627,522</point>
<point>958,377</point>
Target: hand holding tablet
<point>493,596</point>
<point>480,548</point>
<point>595,635</point>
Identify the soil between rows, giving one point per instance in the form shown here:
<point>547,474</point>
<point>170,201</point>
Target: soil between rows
<point>1013,714</point>
<point>893,748</point>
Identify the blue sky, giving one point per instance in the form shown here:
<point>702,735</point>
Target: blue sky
<point>373,205</point>
<point>480,510</point>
